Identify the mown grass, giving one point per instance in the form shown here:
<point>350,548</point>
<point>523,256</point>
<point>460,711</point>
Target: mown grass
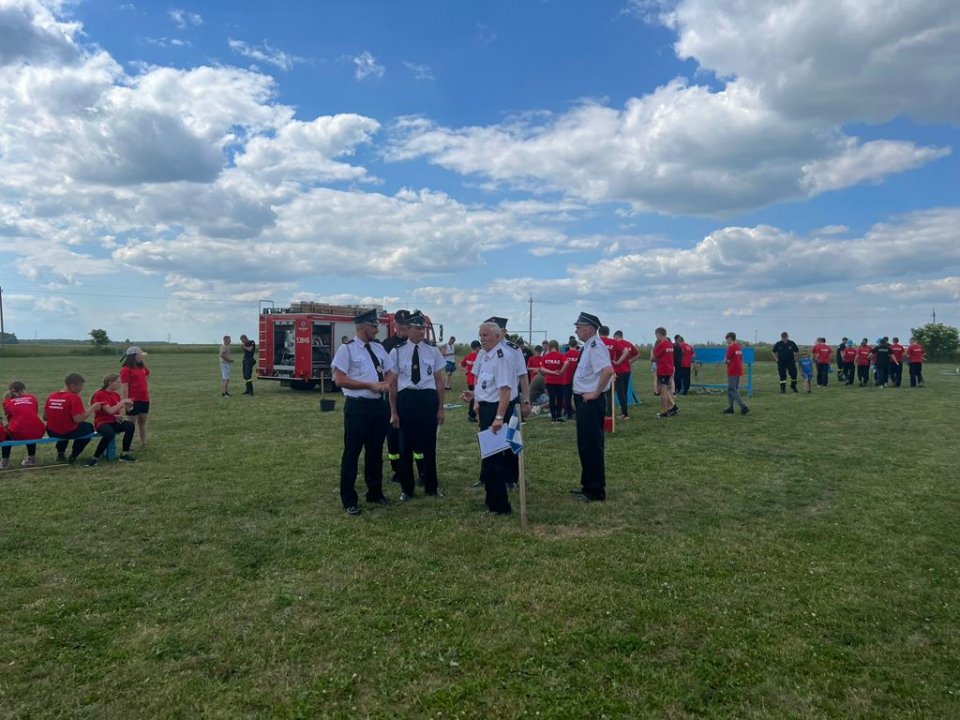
<point>797,563</point>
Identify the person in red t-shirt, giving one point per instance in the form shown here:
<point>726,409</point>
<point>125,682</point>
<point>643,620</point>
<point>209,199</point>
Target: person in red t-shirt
<point>467,365</point>
<point>534,363</point>
<point>626,354</point>
<point>553,375</point>
<point>896,362</point>
<point>734,362</point>
<point>849,355</point>
<point>66,416</point>
<point>109,421</point>
<point>571,357</point>
<point>821,356</point>
<point>915,357</point>
<point>662,356</point>
<point>681,372</point>
<point>23,422</point>
<point>133,379</point>
<point>864,353</point>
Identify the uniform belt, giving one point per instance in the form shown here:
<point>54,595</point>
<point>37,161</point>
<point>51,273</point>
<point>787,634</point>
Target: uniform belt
<point>365,400</point>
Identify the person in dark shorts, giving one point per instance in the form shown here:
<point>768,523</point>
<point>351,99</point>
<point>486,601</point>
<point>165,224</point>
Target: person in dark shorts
<point>133,380</point>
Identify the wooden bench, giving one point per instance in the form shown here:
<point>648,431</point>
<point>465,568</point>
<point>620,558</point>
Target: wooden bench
<point>111,453</point>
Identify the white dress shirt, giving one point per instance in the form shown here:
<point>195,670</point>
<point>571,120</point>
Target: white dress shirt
<point>594,357</point>
<point>353,360</point>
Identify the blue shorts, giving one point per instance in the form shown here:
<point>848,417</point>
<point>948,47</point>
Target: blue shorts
<point>451,367</point>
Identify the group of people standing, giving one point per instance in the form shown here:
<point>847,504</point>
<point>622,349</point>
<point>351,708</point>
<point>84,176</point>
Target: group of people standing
<point>854,362</point>
<point>396,388</point>
<point>120,407</point>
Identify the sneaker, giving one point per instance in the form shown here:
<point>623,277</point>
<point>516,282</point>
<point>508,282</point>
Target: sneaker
<point>5,463</point>
<point>744,410</point>
<point>29,461</point>
<point>438,494</point>
<point>673,411</point>
<point>662,415</point>
<point>561,420</point>
<point>624,417</point>
<point>91,462</point>
<point>404,497</point>
<point>728,411</point>
<point>127,457</point>
<point>353,510</point>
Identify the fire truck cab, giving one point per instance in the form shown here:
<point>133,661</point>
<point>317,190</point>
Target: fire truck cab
<point>297,343</point>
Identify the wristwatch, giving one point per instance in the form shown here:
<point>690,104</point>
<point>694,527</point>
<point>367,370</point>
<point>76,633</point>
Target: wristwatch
<point>499,417</point>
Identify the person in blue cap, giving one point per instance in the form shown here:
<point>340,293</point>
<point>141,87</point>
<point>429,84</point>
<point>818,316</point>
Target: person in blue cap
<point>363,370</point>
<point>591,380</point>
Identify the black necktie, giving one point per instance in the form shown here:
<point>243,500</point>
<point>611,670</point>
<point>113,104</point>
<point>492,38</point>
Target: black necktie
<point>376,363</point>
<point>415,370</point>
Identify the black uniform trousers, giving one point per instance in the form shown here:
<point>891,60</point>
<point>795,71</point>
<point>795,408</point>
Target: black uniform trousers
<point>681,380</point>
<point>823,373</point>
<point>365,423</point>
<point>590,440</point>
<point>494,470</point>
<point>882,373</point>
<point>849,373</point>
<point>916,374</point>
<point>863,374</point>
<point>418,434</point>
<point>896,374</point>
<point>79,431</point>
<point>783,369</point>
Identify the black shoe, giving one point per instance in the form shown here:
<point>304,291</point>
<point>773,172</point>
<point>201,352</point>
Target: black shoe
<point>577,491</point>
<point>728,411</point>
<point>353,510</point>
<point>61,457</point>
<point>673,411</point>
<point>127,457</point>
<point>71,460</point>
<point>561,420</point>
<point>437,494</point>
<point>744,410</point>
<point>92,462</point>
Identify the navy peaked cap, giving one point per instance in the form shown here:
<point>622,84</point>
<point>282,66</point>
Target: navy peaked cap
<point>501,322</point>
<point>588,319</point>
<point>367,317</point>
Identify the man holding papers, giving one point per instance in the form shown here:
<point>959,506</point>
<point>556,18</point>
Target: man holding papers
<point>495,387</point>
<point>591,380</point>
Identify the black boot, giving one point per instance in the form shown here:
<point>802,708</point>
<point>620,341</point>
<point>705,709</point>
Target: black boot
<point>793,385</point>
<point>249,390</point>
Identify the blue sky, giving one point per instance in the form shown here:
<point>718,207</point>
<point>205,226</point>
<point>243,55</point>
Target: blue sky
<point>706,165</point>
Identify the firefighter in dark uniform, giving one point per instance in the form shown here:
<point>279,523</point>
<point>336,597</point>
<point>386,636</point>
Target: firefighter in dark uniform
<point>841,370</point>
<point>591,382</point>
<point>393,435</point>
<point>495,388</point>
<point>249,360</point>
<point>416,406</point>
<point>786,352</point>
<point>363,371</point>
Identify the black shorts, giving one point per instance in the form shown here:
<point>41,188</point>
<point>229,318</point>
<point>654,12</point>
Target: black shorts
<point>140,407</point>
<point>664,379</point>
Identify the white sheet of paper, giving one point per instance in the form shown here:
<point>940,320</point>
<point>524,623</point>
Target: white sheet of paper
<point>491,442</point>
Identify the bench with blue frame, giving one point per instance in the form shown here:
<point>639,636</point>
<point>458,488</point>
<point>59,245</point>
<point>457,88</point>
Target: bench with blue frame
<point>111,453</point>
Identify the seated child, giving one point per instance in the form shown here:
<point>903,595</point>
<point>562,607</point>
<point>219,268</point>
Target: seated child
<point>66,417</point>
<point>109,419</point>
<point>22,412</point>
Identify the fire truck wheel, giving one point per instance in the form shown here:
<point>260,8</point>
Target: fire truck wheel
<point>303,384</point>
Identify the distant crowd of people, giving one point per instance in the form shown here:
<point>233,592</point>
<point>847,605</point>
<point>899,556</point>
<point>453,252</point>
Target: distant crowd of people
<point>120,408</point>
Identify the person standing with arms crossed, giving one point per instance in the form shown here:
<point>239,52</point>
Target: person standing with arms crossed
<point>363,370</point>
<point>416,406</point>
<point>591,382</point>
<point>733,359</point>
<point>495,388</point>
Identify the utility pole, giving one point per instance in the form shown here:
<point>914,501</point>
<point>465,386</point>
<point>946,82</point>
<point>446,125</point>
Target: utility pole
<point>934,316</point>
<point>530,326</point>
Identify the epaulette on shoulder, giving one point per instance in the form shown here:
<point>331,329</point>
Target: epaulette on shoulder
<point>499,352</point>
<point>349,341</point>
<point>511,345</point>
<point>593,344</point>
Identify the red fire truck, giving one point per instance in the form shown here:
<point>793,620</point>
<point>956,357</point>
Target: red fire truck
<point>297,343</point>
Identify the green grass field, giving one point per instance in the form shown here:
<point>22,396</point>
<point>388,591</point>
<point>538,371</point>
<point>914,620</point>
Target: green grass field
<point>797,563</point>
